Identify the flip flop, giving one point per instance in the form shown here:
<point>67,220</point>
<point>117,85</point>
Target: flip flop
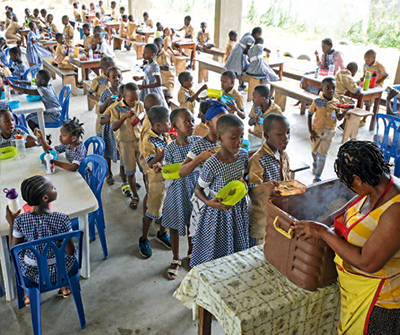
<point>110,180</point>
<point>65,296</point>
<point>134,203</point>
<point>173,273</point>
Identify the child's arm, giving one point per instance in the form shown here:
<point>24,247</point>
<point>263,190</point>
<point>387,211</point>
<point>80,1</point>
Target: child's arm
<point>155,162</point>
<point>232,107</point>
<point>196,95</point>
<point>189,164</point>
<point>313,134</point>
<point>23,90</point>
<point>93,97</point>
<point>380,81</point>
<point>39,134</point>
<point>66,165</point>
<point>103,107</point>
<point>118,124</point>
<point>10,217</point>
<point>340,115</point>
<point>30,141</point>
<point>156,84</point>
<point>214,203</point>
<point>104,120</point>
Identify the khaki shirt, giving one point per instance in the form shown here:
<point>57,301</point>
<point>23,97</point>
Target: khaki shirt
<point>8,22</point>
<point>148,149</point>
<point>325,112</point>
<point>88,41</point>
<point>12,28</point>
<point>99,84</point>
<point>131,30</point>
<point>183,95</point>
<point>203,38</point>
<point>102,10</point>
<point>146,127</point>
<point>345,82</point>
<point>77,16</point>
<point>60,54</point>
<point>68,32</point>
<point>167,42</point>
<point>122,29</point>
<point>53,28</point>
<point>95,22</point>
<point>189,30</point>
<point>126,133</point>
<point>167,77</point>
<point>201,130</point>
<point>234,93</point>
<point>258,129</point>
<point>378,67</point>
<point>114,13</point>
<point>228,50</point>
<point>83,15</point>
<point>149,23</point>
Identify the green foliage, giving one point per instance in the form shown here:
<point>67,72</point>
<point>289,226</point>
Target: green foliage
<point>251,14</point>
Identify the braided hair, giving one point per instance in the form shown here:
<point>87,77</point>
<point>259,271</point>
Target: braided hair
<point>363,159</point>
<point>73,127</point>
<point>33,189</point>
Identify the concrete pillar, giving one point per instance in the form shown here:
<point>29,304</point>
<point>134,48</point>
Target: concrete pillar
<point>228,16</point>
<point>138,7</point>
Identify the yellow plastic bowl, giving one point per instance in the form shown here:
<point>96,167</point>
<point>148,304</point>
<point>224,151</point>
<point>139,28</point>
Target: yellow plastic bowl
<point>171,171</point>
<point>232,192</point>
<point>8,152</point>
<point>213,93</point>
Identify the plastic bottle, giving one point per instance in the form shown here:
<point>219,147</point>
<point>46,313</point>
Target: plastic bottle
<point>331,69</point>
<point>137,68</point>
<point>138,119</point>
<point>12,200</point>
<point>374,77</point>
<point>90,52</point>
<point>33,83</point>
<point>278,54</point>
<point>20,144</point>
<point>49,160</point>
<point>7,91</point>
<point>50,34</point>
<point>316,72</point>
<point>367,80</point>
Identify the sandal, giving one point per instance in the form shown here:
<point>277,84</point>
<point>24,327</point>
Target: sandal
<point>61,294</point>
<point>110,179</point>
<point>134,203</point>
<point>173,273</point>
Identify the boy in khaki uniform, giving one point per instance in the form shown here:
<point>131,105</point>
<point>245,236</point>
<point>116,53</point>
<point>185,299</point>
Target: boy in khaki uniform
<point>68,31</point>
<point>147,21</point>
<point>229,47</point>
<point>204,38</point>
<point>50,24</point>
<point>152,148</point>
<point>227,85</point>
<point>166,69</point>
<point>96,20</point>
<point>186,96</point>
<point>345,81</point>
<point>87,37</point>
<point>262,106</point>
<point>77,16</point>
<point>322,129</point>
<point>269,163</point>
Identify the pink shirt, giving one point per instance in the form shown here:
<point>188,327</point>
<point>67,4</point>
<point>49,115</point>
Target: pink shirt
<point>336,57</point>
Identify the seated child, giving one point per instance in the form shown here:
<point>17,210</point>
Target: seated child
<point>84,14</point>
<point>262,106</point>
<point>222,230</point>
<point>34,51</point>
<point>8,19</point>
<point>345,82</point>
<point>203,38</point>
<point>42,18</point>
<point>152,149</point>
<point>101,8</point>
<point>39,192</point>
<point>322,129</point>
<point>92,9</point>
<point>168,42</point>
<point>329,55</point>
<point>122,115</point>
<point>121,12</point>
<point>97,20</point>
<point>12,32</point>
<point>51,25</point>
<point>102,48</point>
<point>77,15</point>
<point>186,96</point>
<point>8,130</point>
<point>233,35</point>
<point>36,19</point>
<point>114,14</point>
<point>68,31</point>
<point>131,30</point>
<point>87,38</point>
<point>18,68</point>
<point>166,69</point>
<point>71,133</point>
<point>189,34</point>
<point>28,15</point>
<point>122,26</point>
<point>201,129</point>
<point>152,77</point>
<point>227,85</point>
<point>160,30</point>
<point>47,94</point>
<point>270,162</point>
<point>147,22</point>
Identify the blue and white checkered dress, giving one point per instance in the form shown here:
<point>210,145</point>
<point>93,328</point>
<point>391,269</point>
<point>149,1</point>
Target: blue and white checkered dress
<point>151,70</point>
<point>32,227</point>
<point>237,61</point>
<point>5,142</point>
<point>108,136</point>
<point>51,103</point>
<point>19,69</point>
<point>199,147</point>
<point>75,156</point>
<point>4,59</point>
<point>258,66</point>
<point>177,204</point>
<point>220,232</point>
<point>34,51</point>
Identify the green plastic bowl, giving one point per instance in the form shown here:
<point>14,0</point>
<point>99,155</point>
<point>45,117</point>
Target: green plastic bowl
<point>232,192</point>
<point>8,152</point>
<point>171,171</point>
<point>213,93</point>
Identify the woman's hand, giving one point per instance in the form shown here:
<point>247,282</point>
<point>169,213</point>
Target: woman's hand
<point>217,203</point>
<point>306,229</point>
<point>10,216</point>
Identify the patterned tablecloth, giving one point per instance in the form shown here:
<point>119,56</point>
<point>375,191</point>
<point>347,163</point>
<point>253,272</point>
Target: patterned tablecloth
<point>247,295</point>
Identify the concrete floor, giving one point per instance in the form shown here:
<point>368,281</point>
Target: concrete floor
<point>127,294</point>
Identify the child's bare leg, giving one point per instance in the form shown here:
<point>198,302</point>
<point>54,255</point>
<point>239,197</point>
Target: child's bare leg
<point>315,159</point>
<point>122,174</point>
<point>135,196</point>
<point>144,205</point>
<point>175,253</point>
<point>162,230</point>
<point>146,228</point>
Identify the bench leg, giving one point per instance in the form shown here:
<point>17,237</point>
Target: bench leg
<point>204,325</point>
<point>70,80</point>
<point>139,51</point>
<point>203,74</point>
<point>180,66</point>
<point>302,108</point>
<point>377,102</point>
<point>351,127</point>
<point>252,85</point>
<point>117,44</point>
<point>280,100</point>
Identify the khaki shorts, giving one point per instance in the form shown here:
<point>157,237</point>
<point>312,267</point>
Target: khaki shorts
<point>156,189</point>
<point>322,144</point>
<point>129,154</point>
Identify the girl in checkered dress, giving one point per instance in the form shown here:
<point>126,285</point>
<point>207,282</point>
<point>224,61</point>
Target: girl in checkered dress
<point>222,229</point>
<point>39,192</point>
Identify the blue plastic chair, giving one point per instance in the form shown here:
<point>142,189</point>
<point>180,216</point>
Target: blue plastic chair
<point>1,291</point>
<point>64,102</point>
<point>20,120</point>
<point>64,278</point>
<point>99,171</point>
<point>32,71</point>
<point>394,107</point>
<point>25,129</point>
<point>388,141</point>
<point>98,145</point>
<point>9,59</point>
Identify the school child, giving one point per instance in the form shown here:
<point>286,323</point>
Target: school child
<point>36,19</point>
<point>71,133</point>
<point>199,153</point>
<point>227,85</point>
<point>97,20</point>
<point>222,230</point>
<point>92,9</point>
<point>258,66</point>
<point>101,8</point>
<point>189,34</point>
<point>329,55</point>
<point>269,163</point>
<point>47,94</point>
<point>147,22</point>
<point>114,14</point>
<point>50,24</point>
<point>121,12</point>
<point>122,115</point>
<point>262,106</point>
<point>8,19</point>
<point>12,32</point>
<point>84,13</point>
<point>201,129</point>
<point>203,38</point>
<point>87,38</point>
<point>28,15</point>
<point>97,29</point>
<point>107,98</point>
<point>68,31</point>
<point>18,67</point>
<point>43,16</point>
<point>102,48</point>
<point>39,192</point>
<point>8,130</point>
<point>131,30</point>
<point>186,96</point>
<point>77,15</point>
<point>168,42</point>
<point>152,148</point>
<point>160,30</point>
<point>99,84</point>
<point>322,128</point>
<point>152,77</point>
<point>177,206</point>
<point>122,26</point>
<point>237,61</point>
<point>166,69</point>
<point>34,51</point>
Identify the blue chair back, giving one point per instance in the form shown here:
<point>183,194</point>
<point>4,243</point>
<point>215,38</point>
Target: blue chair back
<point>32,71</point>
<point>20,120</point>
<point>25,129</point>
<point>6,52</point>
<point>98,145</point>
<point>395,103</point>
<point>63,98</point>
<point>1,291</point>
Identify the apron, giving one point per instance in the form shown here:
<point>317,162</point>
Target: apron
<point>359,292</point>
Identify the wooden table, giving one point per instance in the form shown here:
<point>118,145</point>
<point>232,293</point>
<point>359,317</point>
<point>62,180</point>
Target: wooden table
<point>187,44</point>
<point>13,172</point>
<point>371,94</point>
<point>87,64</point>
<point>109,26</point>
<point>48,43</point>
<point>146,33</point>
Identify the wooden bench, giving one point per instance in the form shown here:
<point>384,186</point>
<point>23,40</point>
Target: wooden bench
<point>179,63</point>
<point>139,48</point>
<point>68,77</point>
<point>220,53</point>
<point>291,90</point>
<point>353,117</point>
<point>120,39</point>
